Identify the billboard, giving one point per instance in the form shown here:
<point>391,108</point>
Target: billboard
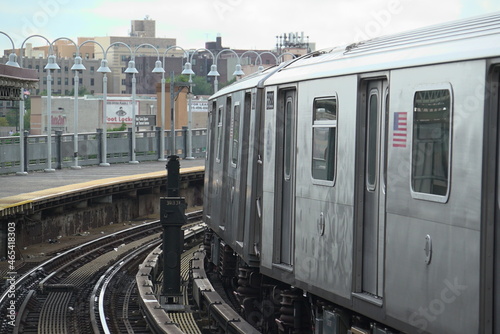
<point>120,111</point>
<point>58,120</point>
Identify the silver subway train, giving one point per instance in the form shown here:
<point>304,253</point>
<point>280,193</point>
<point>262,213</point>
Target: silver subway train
<point>356,189</point>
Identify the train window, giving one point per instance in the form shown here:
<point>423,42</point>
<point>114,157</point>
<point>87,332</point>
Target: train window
<point>287,156</point>
<point>219,132</point>
<point>236,135</point>
<point>431,142</point>
<point>324,139</point>
<point>371,147</point>
<point>211,132</point>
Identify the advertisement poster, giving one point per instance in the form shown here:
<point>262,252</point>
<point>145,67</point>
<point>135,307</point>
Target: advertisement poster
<point>58,120</point>
<point>118,112</point>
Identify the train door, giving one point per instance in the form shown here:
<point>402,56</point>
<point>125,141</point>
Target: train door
<point>255,215</point>
<point>233,169</point>
<point>217,179</point>
<point>372,166</point>
<point>495,240</point>
<point>490,220</point>
<point>241,151</point>
<point>238,167</point>
<point>226,177</point>
<point>209,162</point>
<point>285,162</point>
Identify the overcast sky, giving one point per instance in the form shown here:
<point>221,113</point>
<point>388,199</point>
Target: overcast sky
<point>242,24</point>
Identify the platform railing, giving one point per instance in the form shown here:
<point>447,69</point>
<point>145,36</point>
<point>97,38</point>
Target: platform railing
<point>119,148</point>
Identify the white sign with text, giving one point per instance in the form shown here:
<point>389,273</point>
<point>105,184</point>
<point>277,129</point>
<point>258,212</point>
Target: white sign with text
<point>118,112</point>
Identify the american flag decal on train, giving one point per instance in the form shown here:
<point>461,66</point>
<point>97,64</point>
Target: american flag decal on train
<point>400,129</point>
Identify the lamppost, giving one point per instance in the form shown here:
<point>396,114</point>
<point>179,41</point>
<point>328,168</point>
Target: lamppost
<point>237,71</point>
<point>12,56</point>
<point>258,58</point>
<point>51,66</point>
<point>270,53</point>
<point>13,62</point>
<point>172,114</point>
<point>131,69</point>
<point>77,66</point>
<point>21,108</point>
<point>103,69</point>
<point>189,71</point>
<point>286,53</point>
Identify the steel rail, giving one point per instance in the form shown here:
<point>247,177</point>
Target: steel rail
<point>190,231</point>
<point>20,280</point>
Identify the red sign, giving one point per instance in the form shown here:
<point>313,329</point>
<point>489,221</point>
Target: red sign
<point>58,120</point>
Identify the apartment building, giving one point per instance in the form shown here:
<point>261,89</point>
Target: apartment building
<point>120,49</point>
<point>63,79</point>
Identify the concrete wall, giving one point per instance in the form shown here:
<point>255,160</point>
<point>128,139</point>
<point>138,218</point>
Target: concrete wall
<point>91,214</point>
<point>89,112</point>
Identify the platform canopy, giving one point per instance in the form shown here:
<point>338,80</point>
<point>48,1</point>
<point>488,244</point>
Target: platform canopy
<point>14,79</point>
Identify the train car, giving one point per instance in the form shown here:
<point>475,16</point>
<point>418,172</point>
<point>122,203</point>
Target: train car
<point>234,166</point>
<point>367,197</point>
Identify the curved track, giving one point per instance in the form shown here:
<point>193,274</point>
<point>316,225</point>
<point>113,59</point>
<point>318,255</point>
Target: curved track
<point>59,302</point>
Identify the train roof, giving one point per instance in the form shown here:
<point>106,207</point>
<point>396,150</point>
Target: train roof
<point>473,38</point>
<point>247,82</point>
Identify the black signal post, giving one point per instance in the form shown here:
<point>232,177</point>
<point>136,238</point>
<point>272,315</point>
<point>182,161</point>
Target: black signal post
<point>172,217</point>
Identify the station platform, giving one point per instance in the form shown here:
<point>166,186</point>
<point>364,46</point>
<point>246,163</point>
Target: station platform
<point>13,184</point>
<point>20,194</point>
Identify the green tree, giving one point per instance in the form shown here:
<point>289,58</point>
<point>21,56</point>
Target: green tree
<point>3,121</point>
<point>27,120</point>
<point>27,113</point>
<point>122,127</point>
<point>233,80</point>
<point>82,90</point>
<point>178,78</point>
<point>27,103</point>
<point>200,84</point>
<point>12,117</point>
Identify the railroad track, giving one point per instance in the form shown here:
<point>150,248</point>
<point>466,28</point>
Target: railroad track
<point>113,305</point>
<point>205,305</point>
<point>53,297</point>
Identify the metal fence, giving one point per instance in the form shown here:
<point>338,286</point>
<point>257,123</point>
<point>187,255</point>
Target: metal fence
<point>118,147</point>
